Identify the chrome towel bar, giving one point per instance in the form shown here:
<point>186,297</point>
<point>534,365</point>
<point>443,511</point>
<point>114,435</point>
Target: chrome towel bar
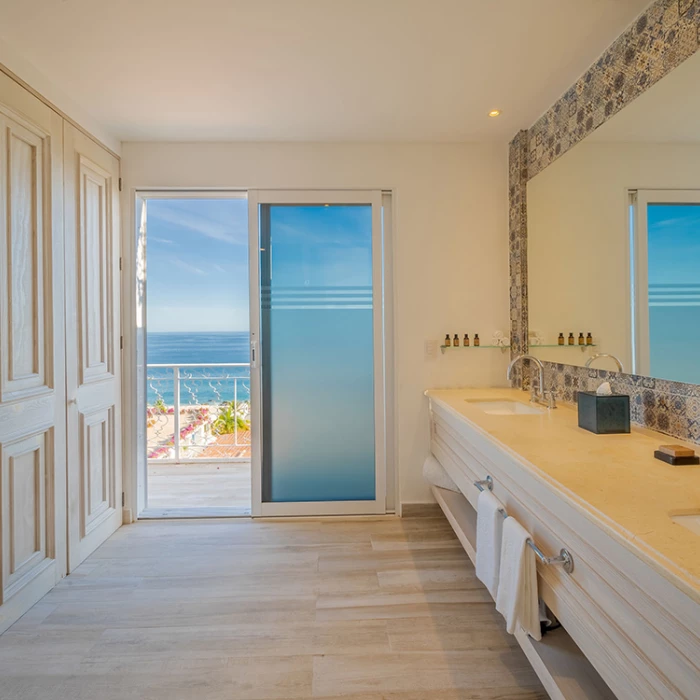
<point>486,483</point>
<point>565,558</point>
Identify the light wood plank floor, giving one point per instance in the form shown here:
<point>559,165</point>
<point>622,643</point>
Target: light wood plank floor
<point>382,609</point>
<point>180,486</point>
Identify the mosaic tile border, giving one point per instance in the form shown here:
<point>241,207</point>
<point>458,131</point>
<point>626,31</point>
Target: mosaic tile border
<point>672,408</point>
<point>659,40</point>
<point>517,221</point>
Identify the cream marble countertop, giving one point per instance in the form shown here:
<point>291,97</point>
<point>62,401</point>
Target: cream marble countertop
<point>614,479</point>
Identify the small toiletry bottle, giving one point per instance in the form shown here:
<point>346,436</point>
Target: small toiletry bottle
<point>589,339</point>
<point>581,339</point>
<point>477,342</point>
<point>455,342</point>
<point>560,340</point>
<point>571,338</point>
<point>448,342</point>
<point>466,340</point>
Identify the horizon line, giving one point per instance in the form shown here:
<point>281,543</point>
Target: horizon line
<point>247,330</point>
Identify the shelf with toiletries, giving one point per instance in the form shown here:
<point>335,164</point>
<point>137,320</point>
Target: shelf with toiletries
<point>498,340</point>
<point>584,340</point>
<point>443,348</point>
<point>580,347</point>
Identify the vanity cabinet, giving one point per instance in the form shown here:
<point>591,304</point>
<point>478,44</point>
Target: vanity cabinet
<point>631,626</point>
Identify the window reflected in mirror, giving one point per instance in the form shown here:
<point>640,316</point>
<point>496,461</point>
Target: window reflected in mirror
<point>614,240</point>
<point>666,283</point>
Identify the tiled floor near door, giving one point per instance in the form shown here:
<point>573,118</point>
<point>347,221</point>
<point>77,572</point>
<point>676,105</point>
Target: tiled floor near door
<point>382,609</point>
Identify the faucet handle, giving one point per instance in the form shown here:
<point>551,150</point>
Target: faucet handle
<point>551,395</point>
<point>534,391</point>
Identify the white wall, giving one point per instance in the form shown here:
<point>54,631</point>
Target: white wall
<point>20,67</point>
<point>578,239</point>
<point>451,246</point>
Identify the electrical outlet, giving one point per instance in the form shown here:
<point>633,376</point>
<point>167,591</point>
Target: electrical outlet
<point>431,348</point>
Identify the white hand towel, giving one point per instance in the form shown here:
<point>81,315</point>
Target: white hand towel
<point>489,530</point>
<point>517,598</point>
<point>434,473</point>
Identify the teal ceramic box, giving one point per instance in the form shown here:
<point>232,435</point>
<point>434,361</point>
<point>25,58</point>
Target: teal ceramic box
<point>604,415</point>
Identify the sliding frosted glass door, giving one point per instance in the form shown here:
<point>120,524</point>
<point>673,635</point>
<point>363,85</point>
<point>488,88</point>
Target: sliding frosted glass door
<point>319,344</point>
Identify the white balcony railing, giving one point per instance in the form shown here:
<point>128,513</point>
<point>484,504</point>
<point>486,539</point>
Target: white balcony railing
<point>198,412</point>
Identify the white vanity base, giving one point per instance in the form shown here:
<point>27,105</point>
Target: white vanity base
<point>631,606</point>
<point>562,667</point>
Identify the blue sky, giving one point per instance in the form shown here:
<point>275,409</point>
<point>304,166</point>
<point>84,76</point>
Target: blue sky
<point>197,258</point>
<point>674,243</point>
<point>197,265</point>
<point>321,246</point>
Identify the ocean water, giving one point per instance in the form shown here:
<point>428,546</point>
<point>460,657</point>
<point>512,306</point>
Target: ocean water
<point>201,384</point>
<point>190,348</point>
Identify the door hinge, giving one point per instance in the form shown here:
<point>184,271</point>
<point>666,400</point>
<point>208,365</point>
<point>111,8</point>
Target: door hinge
<point>123,501</point>
<point>120,184</point>
<point>121,342</point>
<point>120,263</point>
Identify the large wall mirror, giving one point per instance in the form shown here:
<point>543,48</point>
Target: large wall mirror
<point>614,240</point>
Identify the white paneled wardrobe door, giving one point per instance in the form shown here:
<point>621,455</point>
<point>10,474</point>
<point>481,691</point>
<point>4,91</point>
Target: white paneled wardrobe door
<point>92,344</point>
<point>32,379</point>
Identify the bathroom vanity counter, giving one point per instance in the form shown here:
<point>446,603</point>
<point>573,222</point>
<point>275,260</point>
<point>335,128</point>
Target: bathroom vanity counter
<point>613,479</point>
<point>631,605</point>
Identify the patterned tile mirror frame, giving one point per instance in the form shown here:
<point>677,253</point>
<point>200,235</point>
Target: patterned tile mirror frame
<point>664,36</point>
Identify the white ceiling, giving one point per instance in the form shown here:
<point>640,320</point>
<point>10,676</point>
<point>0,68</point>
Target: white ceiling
<point>667,112</point>
<point>340,70</point>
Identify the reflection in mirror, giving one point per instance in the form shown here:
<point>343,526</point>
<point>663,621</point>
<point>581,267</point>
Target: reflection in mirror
<point>666,283</point>
<point>614,240</point>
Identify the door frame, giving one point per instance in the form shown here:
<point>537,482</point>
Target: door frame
<point>381,400</point>
<point>132,328</point>
<point>138,388</point>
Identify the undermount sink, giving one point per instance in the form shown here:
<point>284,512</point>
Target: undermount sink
<point>505,407</point>
<point>690,521</point>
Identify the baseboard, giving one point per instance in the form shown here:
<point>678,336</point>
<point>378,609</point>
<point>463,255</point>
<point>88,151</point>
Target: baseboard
<point>420,510</point>
<point>193,513</point>
<point>127,516</point>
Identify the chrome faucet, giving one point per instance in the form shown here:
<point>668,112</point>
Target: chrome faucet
<point>537,395</point>
<point>590,360</point>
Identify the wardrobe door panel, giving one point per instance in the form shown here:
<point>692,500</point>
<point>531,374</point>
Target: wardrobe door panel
<point>32,369</point>
<point>92,341</point>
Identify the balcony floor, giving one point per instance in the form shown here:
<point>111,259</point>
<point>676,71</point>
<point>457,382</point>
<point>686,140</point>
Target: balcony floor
<point>180,490</point>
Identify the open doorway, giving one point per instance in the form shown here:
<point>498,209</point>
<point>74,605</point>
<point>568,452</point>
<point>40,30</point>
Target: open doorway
<point>197,346</point>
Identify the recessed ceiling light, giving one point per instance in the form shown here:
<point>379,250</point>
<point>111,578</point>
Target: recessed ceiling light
<point>495,113</point>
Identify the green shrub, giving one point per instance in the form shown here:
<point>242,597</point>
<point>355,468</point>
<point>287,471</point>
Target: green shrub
<point>227,420</point>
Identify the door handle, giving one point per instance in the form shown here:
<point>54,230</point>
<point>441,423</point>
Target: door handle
<point>253,354</point>
<point>72,401</point>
